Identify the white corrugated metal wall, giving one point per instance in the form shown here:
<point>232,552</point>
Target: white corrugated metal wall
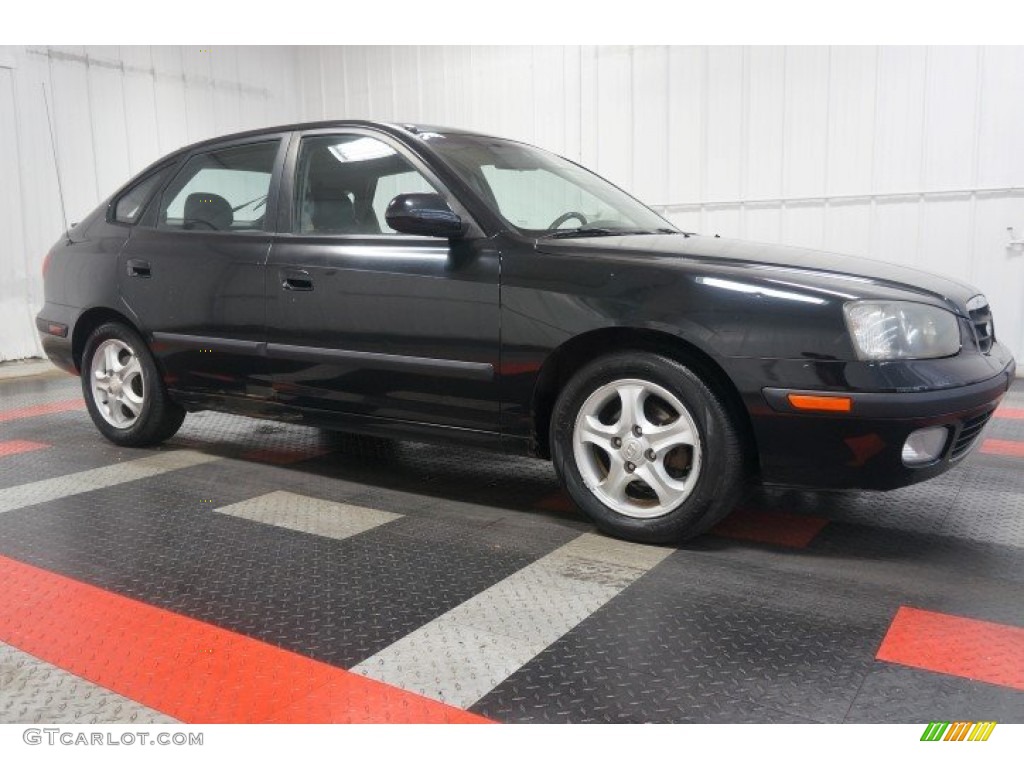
<point>911,155</point>
<point>115,110</point>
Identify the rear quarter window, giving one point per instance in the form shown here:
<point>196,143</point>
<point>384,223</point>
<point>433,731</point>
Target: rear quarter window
<point>130,204</point>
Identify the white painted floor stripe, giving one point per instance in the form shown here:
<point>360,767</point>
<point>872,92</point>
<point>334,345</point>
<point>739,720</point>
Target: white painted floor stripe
<point>37,692</point>
<point>462,655</point>
<point>309,515</point>
<point>40,491</point>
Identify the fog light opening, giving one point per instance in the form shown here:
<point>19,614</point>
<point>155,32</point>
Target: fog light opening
<point>924,446</point>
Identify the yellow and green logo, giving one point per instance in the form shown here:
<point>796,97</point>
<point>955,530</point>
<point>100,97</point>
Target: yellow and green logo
<point>960,731</point>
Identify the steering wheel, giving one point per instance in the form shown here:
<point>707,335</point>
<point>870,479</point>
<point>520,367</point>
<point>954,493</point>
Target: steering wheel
<point>565,217</point>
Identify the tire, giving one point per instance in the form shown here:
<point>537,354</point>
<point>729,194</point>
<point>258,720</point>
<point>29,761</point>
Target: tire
<point>130,407</point>
<point>687,445</point>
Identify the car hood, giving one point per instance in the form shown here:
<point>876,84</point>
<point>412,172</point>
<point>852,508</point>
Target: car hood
<point>798,264</point>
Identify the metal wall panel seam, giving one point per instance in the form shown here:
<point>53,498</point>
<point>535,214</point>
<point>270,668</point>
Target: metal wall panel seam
<point>782,145</point>
<point>632,113</point>
<point>745,134</point>
<point>161,150</point>
<point>323,83</point>
<point>705,108</point>
<point>26,252</point>
<point>828,139</point>
<point>92,131</point>
<point>873,183</point>
<point>979,82</point>
<point>918,250</point>
<point>132,170</point>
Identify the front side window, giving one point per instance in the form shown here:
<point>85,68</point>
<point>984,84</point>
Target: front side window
<point>222,191</point>
<point>540,193</point>
<point>344,183</point>
<point>129,206</point>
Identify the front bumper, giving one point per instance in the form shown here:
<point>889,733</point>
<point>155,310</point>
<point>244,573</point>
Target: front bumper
<point>863,447</point>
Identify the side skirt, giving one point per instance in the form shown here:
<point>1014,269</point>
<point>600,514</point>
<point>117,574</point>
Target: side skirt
<point>347,422</point>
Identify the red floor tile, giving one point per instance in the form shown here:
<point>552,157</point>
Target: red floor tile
<point>1009,413</point>
<point>283,455</point>
<point>952,645</point>
<point>190,670</point>
<point>770,527</point>
<point>1003,447</point>
<point>42,409</point>
<point>14,447</point>
<point>558,502</point>
<point>767,527</point>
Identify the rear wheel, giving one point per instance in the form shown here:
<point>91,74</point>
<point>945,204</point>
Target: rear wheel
<point>646,449</point>
<point>123,390</point>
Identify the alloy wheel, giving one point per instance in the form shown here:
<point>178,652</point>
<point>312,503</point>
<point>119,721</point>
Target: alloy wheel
<point>118,387</point>
<point>637,448</point>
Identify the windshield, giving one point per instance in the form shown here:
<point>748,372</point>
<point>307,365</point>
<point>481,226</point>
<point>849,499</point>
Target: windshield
<point>542,194</point>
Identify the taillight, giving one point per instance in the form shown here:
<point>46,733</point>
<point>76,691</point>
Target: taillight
<point>46,262</point>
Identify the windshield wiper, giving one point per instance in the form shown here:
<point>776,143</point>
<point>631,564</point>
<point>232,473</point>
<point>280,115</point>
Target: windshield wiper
<point>593,232</point>
<point>258,200</point>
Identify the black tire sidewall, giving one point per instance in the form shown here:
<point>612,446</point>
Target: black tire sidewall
<point>145,428</point>
<point>722,475</point>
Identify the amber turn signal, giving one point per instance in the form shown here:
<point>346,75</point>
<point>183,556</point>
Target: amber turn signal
<point>821,403</point>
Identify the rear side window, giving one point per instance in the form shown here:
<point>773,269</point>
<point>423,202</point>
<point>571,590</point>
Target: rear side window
<point>223,191</point>
<point>129,206</point>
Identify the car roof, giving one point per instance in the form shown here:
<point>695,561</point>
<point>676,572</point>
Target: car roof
<point>411,129</point>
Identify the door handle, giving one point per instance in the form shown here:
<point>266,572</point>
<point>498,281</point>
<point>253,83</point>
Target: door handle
<point>296,280</point>
<point>139,268</point>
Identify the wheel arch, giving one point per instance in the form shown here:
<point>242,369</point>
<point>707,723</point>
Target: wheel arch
<point>88,322</point>
<point>563,363</point>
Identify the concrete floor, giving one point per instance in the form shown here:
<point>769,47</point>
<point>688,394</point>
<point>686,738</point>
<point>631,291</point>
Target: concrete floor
<point>253,572</point>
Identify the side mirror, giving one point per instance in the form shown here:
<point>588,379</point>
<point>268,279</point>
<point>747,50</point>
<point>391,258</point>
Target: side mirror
<point>423,213</point>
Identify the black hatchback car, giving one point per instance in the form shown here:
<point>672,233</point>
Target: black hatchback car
<point>435,284</point>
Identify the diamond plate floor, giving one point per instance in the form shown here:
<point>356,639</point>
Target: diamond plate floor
<point>32,691</point>
<point>432,571</point>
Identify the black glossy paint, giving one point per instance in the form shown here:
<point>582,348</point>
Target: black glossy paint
<point>379,307</point>
<point>470,338</point>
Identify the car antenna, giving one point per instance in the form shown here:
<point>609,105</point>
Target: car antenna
<point>56,162</point>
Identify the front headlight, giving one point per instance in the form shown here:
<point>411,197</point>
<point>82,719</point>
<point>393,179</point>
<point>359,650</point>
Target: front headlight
<point>901,330</point>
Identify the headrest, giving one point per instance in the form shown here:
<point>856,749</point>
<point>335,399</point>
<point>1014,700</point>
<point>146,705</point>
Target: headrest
<point>333,214</point>
<point>204,210</point>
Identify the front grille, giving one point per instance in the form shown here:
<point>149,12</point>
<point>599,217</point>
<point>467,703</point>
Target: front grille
<point>981,320</point>
<point>969,434</point>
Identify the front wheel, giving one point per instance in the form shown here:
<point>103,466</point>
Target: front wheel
<point>123,390</point>
<point>646,449</point>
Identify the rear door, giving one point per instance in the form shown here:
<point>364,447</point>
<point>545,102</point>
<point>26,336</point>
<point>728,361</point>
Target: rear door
<point>367,322</point>
<point>192,271</point>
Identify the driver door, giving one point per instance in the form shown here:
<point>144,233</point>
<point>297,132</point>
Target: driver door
<point>366,322</point>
